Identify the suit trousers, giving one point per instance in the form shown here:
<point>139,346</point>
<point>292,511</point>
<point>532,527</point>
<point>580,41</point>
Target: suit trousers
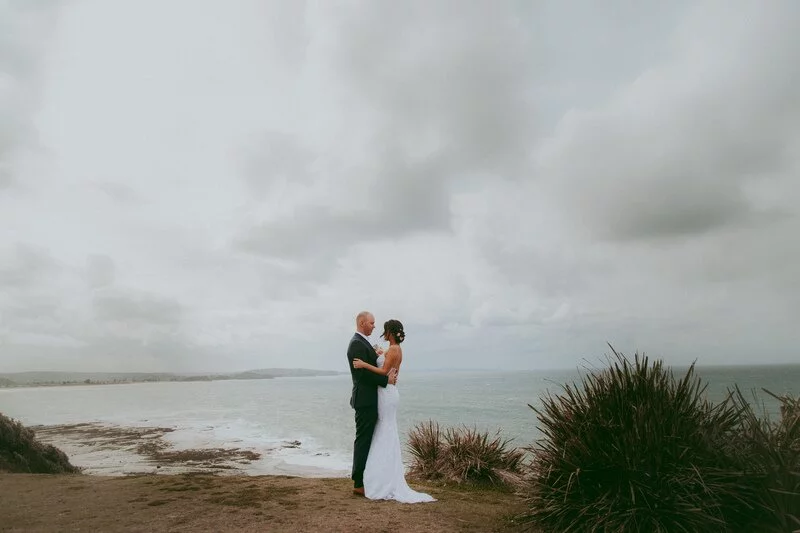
<point>366,419</point>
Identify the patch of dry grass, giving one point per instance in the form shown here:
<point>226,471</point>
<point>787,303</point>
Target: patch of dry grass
<point>464,455</point>
<point>241,503</point>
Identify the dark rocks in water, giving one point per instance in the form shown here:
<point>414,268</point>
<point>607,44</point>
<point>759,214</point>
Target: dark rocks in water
<point>291,444</point>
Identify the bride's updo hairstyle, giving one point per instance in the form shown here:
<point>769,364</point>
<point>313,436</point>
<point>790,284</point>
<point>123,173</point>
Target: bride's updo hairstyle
<point>394,327</point>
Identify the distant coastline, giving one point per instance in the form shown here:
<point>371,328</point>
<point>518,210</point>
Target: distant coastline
<point>63,379</point>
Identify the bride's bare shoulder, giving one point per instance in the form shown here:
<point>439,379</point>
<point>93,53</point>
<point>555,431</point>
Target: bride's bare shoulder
<point>394,351</point>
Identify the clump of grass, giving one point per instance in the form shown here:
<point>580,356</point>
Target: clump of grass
<point>632,448</point>
<point>427,451</point>
<point>20,452</point>
<point>473,455</point>
<point>769,455</point>
<point>463,455</point>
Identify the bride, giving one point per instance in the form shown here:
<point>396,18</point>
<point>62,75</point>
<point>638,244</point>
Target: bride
<point>384,475</point>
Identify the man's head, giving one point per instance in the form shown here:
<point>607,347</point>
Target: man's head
<point>365,323</point>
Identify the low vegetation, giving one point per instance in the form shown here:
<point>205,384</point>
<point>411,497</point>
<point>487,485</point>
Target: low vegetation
<point>769,454</point>
<point>464,455</point>
<point>633,448</point>
<point>20,452</point>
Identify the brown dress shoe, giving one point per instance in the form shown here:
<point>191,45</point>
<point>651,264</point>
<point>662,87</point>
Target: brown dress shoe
<point>359,491</point>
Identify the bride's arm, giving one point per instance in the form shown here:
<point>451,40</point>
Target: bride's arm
<point>358,363</point>
<point>391,355</point>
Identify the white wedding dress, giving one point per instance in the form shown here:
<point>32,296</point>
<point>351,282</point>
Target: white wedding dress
<point>384,475</point>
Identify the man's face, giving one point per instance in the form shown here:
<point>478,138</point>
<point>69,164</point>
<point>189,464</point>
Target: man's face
<point>369,325</point>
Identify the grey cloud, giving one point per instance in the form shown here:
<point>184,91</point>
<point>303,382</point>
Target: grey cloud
<point>448,98</point>
<point>24,265</point>
<point>718,117</point>
<point>111,354</point>
<point>662,209</point>
<point>23,32</point>
<point>659,213</point>
<point>288,31</point>
<point>119,193</point>
<point>41,297</point>
<point>32,296</point>
<point>136,308</point>
<point>399,207</point>
<point>275,157</point>
<point>551,274</point>
<point>6,176</point>
<point>36,286</point>
<point>308,244</point>
<point>31,310</point>
<point>300,238</point>
<point>100,271</point>
<point>460,81</point>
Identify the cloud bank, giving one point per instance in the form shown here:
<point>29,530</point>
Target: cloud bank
<point>224,187</point>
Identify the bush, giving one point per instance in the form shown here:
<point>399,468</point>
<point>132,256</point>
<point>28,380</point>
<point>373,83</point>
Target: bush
<point>427,450</point>
<point>21,452</point>
<point>633,449</point>
<point>769,454</point>
<point>463,455</point>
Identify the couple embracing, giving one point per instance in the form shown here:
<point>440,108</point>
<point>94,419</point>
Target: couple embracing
<point>378,471</point>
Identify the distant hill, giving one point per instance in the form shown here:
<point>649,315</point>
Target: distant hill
<point>89,378</point>
<point>291,372</point>
<point>28,378</point>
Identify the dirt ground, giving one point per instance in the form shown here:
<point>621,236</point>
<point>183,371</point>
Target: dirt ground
<point>202,502</point>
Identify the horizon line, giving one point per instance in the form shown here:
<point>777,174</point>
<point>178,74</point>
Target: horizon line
<point>429,369</point>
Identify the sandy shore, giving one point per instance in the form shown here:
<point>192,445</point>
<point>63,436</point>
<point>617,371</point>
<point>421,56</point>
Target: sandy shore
<point>108,450</point>
<point>202,502</point>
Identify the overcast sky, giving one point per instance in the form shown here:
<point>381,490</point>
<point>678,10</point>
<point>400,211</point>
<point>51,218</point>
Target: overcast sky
<point>206,185</point>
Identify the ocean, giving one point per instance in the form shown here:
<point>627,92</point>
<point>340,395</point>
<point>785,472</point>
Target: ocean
<point>261,414</point>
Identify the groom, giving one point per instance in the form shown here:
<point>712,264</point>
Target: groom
<point>364,398</point>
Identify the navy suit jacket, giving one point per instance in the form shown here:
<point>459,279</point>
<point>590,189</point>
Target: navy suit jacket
<point>365,382</point>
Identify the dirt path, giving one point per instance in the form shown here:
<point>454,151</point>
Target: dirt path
<point>199,502</point>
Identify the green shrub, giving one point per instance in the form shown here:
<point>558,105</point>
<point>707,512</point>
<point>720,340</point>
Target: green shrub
<point>21,452</point>
<point>632,448</point>
<point>769,454</point>
<point>463,455</point>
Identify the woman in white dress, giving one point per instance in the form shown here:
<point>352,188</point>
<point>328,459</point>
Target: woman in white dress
<point>384,475</point>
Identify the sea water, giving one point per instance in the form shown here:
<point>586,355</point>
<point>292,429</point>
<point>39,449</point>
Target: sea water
<point>263,415</point>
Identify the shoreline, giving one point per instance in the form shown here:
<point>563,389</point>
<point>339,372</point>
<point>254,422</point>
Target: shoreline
<point>180,379</point>
<point>101,449</point>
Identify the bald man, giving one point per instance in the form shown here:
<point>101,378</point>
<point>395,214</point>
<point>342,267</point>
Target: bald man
<point>364,398</point>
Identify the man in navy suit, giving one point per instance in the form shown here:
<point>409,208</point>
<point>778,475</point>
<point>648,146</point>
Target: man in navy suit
<point>364,398</point>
